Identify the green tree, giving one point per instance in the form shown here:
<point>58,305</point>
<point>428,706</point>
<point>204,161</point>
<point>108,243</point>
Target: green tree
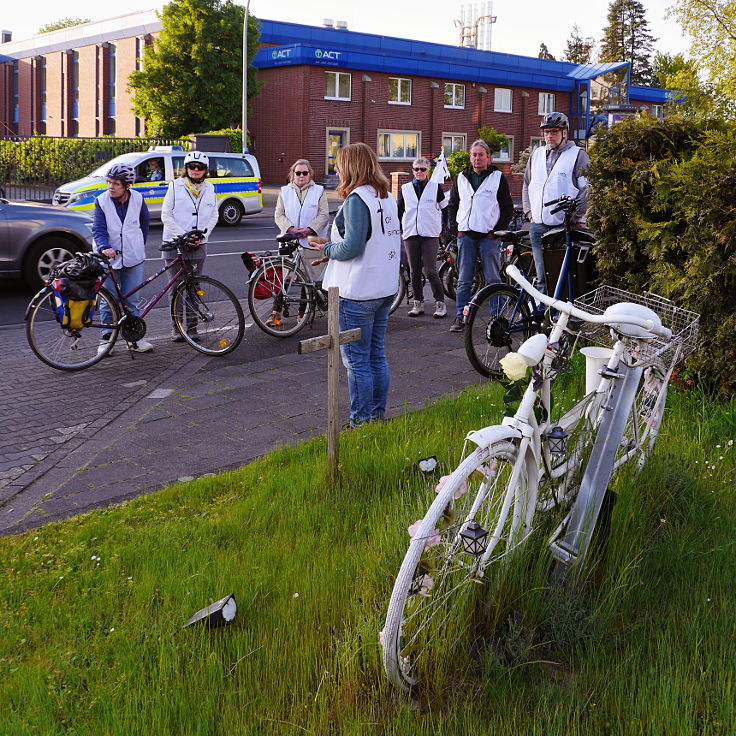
<point>579,50</point>
<point>627,38</point>
<point>496,141</point>
<point>62,23</point>
<point>192,77</point>
<point>544,52</point>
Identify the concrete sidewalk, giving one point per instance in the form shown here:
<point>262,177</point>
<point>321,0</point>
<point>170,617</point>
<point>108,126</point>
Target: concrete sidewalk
<point>73,442</point>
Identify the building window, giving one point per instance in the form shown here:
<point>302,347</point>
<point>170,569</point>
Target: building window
<point>452,142</point>
<point>455,95</point>
<point>502,100</point>
<point>507,152</point>
<point>658,111</point>
<point>337,86</point>
<point>74,126</point>
<point>398,144</point>
<point>536,143</point>
<point>41,127</point>
<point>399,91</point>
<point>546,102</point>
<point>15,102</point>
<point>111,89</point>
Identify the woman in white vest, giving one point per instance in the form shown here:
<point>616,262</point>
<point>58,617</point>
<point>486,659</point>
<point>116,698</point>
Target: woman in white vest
<point>190,204</point>
<point>554,169</point>
<point>364,252</point>
<point>302,208</point>
<point>420,209</point>
<point>120,230</point>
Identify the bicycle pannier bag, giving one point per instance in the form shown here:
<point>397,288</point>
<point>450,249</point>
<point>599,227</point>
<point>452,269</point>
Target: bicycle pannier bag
<point>75,301</point>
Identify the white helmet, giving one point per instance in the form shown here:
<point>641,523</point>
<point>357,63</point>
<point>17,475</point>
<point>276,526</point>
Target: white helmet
<point>197,157</point>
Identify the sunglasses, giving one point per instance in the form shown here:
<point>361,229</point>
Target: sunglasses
<point>418,168</point>
<point>197,167</point>
<point>301,173</point>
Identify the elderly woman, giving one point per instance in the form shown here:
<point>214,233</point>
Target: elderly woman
<point>302,208</point>
<point>420,210</point>
<point>364,252</point>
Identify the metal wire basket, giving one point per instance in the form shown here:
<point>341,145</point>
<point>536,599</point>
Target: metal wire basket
<point>682,322</point>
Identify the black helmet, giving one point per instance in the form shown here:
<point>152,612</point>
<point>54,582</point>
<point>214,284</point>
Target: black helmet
<point>554,120</point>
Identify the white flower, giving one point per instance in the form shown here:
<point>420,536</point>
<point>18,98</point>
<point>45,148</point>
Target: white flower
<point>514,366</point>
<point>460,491</point>
<point>730,443</point>
<point>296,595</point>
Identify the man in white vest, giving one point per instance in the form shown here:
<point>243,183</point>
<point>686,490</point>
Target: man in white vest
<point>120,229</point>
<point>554,169</point>
<point>480,203</point>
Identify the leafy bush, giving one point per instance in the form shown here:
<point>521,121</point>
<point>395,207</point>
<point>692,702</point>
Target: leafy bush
<point>665,215</point>
<point>458,161</point>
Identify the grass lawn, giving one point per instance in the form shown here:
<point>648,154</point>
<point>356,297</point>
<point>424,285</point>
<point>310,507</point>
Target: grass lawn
<point>91,609</point>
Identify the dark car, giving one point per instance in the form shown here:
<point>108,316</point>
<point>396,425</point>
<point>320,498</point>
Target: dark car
<point>36,237</point>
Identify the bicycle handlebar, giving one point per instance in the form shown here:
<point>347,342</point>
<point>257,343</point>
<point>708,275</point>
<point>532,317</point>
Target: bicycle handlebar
<point>185,239</point>
<point>573,311</point>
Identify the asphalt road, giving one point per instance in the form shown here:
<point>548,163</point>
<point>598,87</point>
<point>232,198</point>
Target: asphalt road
<point>255,233</point>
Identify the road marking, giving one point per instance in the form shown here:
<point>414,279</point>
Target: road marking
<point>213,255</point>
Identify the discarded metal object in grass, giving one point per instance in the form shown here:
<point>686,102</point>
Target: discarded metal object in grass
<point>219,613</point>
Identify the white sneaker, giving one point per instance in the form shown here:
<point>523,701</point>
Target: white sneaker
<point>440,310</point>
<point>142,346</point>
<point>417,308</point>
<point>102,347</point>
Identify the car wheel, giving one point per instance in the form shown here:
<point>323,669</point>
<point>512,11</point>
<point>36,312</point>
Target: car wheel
<point>231,212</point>
<point>43,256</point>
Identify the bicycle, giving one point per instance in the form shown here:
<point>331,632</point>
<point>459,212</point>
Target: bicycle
<point>501,316</point>
<point>551,457</point>
<point>204,311</point>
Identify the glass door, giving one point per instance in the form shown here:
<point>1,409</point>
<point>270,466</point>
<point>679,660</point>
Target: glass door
<point>336,139</point>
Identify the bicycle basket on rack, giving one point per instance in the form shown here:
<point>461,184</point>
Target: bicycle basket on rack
<point>75,284</point>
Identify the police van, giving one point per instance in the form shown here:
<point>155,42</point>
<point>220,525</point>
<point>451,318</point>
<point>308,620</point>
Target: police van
<point>236,177</point>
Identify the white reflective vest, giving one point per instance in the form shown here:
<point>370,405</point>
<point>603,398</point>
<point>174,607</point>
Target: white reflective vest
<point>375,273</point>
<point>544,188</point>
<point>300,214</point>
<point>423,215</point>
<point>181,212</point>
<point>478,210</point>
<point>125,236</point>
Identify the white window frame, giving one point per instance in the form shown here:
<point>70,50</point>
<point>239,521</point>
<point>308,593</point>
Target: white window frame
<point>658,111</point>
<point>391,132</point>
<point>536,142</point>
<point>337,76</point>
<point>546,103</point>
<point>402,81</point>
<point>463,147</point>
<point>497,157</point>
<point>455,88</point>
<point>500,106</point>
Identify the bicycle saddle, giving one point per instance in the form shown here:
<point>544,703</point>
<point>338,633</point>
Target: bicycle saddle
<point>287,238</point>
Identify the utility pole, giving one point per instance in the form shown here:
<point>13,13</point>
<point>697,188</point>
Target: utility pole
<point>245,78</point>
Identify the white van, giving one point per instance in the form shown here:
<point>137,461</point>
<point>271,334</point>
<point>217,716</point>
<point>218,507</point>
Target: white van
<point>236,177</point>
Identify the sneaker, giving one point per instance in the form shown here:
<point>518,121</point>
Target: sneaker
<point>458,325</point>
<point>142,346</point>
<point>440,310</point>
<point>104,342</point>
<point>176,335</point>
<point>274,320</point>
<point>417,308</point>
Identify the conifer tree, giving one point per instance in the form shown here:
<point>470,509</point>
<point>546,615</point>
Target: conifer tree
<point>192,77</point>
<point>544,52</point>
<point>627,38</point>
<point>579,50</point>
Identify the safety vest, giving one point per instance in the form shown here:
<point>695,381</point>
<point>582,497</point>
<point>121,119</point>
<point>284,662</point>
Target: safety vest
<point>478,210</point>
<point>375,273</point>
<point>423,215</point>
<point>188,212</point>
<point>125,236</point>
<point>545,187</point>
<point>300,214</point>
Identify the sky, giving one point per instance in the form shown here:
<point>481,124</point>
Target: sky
<point>521,25</point>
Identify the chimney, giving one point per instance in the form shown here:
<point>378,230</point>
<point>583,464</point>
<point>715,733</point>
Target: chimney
<point>341,25</point>
<point>6,36</point>
<point>327,23</point>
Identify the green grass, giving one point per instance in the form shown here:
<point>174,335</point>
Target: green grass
<point>91,609</point>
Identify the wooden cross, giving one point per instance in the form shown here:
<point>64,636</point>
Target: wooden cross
<point>332,341</point>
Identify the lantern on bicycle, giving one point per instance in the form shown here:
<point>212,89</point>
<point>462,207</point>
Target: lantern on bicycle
<point>474,539</point>
<point>557,440</point>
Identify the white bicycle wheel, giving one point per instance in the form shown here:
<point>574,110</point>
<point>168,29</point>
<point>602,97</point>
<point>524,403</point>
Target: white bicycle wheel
<point>435,597</point>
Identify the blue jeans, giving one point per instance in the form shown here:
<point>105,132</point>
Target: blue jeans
<point>128,277</point>
<point>365,359</point>
<point>536,230</point>
<point>468,250</point>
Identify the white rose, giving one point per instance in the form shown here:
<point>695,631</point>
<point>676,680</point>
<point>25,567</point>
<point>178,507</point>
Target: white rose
<point>514,366</point>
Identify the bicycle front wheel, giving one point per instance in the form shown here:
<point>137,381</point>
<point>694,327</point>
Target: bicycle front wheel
<point>281,298</point>
<point>400,292</point>
<point>499,323</point>
<point>64,348</point>
<point>448,278</point>
<point>435,599</point>
<point>207,315</point>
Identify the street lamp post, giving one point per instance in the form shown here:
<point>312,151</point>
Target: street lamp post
<point>245,79</point>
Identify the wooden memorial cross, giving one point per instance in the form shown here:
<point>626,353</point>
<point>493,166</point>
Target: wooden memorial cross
<point>332,341</point>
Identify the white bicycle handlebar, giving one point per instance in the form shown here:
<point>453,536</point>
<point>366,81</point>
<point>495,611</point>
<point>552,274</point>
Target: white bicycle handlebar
<point>568,308</point>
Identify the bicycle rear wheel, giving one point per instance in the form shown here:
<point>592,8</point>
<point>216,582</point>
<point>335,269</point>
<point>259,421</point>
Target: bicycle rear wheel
<point>498,323</point>
<point>448,278</point>
<point>435,597</point>
<point>64,348</point>
<point>207,315</point>
<point>400,292</point>
<point>281,297</point>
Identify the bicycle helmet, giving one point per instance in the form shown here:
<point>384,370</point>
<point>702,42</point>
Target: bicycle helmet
<point>554,120</point>
<point>197,157</point>
<point>123,172</point>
